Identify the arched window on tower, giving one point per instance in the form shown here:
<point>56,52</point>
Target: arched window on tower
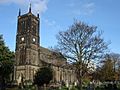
<point>22,56</point>
<point>34,29</point>
<point>33,58</point>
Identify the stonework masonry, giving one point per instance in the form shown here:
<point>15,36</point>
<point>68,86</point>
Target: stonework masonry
<point>30,56</point>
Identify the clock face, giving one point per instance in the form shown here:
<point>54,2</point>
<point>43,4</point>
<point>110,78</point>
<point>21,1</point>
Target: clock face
<point>22,39</point>
<point>33,39</point>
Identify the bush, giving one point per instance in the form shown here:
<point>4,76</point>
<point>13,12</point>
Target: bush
<point>43,76</point>
<point>73,88</point>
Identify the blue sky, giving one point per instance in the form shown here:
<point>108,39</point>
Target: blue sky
<point>56,15</point>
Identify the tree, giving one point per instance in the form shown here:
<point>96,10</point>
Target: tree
<point>81,44</point>
<point>109,70</point>
<point>43,76</point>
<point>6,63</point>
<point>115,57</point>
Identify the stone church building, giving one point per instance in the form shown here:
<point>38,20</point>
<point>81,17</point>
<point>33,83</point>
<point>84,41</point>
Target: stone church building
<point>30,56</point>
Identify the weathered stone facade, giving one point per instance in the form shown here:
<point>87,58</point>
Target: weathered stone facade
<point>30,56</point>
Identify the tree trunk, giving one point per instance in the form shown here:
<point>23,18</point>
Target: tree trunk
<point>2,84</point>
<point>45,86</point>
<point>79,77</point>
<point>80,83</point>
<point>39,88</point>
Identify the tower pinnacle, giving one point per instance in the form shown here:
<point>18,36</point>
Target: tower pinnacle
<point>30,8</point>
<point>19,12</point>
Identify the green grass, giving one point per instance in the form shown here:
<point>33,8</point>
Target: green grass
<point>12,88</point>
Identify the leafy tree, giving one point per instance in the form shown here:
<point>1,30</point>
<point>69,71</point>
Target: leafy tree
<point>43,76</point>
<point>6,63</point>
<point>81,44</point>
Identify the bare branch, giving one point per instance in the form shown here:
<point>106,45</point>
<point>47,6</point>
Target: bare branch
<point>81,44</point>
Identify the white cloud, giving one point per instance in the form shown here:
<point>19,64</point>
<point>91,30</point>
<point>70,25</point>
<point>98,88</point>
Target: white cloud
<point>51,24</point>
<point>81,8</point>
<point>12,1</point>
<point>37,5</point>
<point>71,4</point>
<point>88,8</point>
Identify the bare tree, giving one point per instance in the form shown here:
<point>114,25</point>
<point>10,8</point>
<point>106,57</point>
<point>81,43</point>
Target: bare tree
<point>115,57</point>
<point>81,44</point>
<point>109,68</point>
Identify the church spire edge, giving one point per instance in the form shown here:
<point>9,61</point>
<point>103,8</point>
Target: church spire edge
<point>30,8</point>
<point>19,12</point>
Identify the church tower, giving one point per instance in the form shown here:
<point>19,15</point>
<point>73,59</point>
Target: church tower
<point>27,46</point>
